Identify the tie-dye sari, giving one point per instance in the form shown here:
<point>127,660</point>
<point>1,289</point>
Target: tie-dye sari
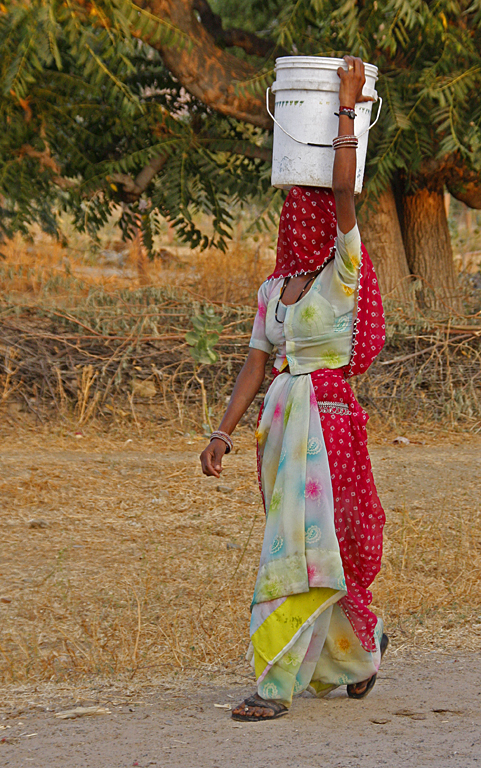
<point>311,624</point>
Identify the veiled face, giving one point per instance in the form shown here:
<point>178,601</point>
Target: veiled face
<point>307,227</point>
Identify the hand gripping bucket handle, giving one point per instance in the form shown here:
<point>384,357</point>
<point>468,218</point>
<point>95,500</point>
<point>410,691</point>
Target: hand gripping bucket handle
<point>310,143</point>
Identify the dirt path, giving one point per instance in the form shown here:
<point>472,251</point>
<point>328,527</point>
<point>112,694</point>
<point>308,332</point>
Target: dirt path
<point>95,511</point>
<point>421,713</point>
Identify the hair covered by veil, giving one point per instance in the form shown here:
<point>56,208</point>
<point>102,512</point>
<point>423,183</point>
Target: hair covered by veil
<point>306,243</point>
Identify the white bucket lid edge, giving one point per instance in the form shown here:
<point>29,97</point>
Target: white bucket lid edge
<point>320,62</point>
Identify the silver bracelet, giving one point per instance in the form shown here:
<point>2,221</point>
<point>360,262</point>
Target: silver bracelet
<point>219,435</point>
<point>345,141</point>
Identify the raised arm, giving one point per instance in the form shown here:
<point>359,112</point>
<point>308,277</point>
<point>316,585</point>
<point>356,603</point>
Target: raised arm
<point>344,170</point>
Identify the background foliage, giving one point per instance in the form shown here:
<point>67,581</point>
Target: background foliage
<point>82,101</point>
<point>85,102</point>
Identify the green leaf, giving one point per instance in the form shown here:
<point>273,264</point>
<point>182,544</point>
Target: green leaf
<point>191,338</point>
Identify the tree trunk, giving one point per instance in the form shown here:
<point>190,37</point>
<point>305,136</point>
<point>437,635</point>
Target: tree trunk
<point>425,232</point>
<point>381,234</point>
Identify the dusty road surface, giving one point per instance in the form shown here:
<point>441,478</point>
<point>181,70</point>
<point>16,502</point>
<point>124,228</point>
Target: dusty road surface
<point>422,713</point>
<point>125,583</point>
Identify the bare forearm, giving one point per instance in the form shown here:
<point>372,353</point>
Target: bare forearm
<point>344,178</point>
<point>247,385</point>
<point>344,170</point>
<point>246,388</point>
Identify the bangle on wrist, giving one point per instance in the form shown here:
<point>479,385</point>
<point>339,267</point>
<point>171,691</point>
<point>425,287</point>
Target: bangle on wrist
<point>219,435</point>
<point>347,111</point>
<point>345,141</point>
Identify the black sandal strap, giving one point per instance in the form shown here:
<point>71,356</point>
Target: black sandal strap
<point>372,680</point>
<point>257,701</point>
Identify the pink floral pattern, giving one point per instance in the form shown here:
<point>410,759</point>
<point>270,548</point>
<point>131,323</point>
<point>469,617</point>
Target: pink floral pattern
<point>313,489</point>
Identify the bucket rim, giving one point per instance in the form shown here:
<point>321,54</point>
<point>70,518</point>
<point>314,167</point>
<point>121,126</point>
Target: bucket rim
<point>320,63</point>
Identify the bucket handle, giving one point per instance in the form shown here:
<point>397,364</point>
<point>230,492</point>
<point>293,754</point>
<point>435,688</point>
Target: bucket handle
<point>375,121</point>
<point>310,143</point>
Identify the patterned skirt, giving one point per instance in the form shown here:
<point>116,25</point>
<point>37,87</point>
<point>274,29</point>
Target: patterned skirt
<point>323,539</point>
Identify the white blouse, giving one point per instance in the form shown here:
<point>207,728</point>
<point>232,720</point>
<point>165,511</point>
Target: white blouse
<point>316,331</point>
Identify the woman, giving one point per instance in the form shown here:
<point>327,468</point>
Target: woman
<point>311,625</point>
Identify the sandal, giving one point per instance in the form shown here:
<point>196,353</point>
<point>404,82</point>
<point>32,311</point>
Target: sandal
<point>370,682</point>
<point>257,703</point>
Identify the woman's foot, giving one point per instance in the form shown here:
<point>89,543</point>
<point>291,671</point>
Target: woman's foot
<point>256,708</point>
<point>360,690</point>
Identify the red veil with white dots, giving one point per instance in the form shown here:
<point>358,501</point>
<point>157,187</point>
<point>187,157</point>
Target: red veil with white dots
<point>306,242</point>
<point>307,232</point>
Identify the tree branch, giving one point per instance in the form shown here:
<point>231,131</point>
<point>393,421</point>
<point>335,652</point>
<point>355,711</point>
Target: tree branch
<point>244,148</point>
<point>133,188</point>
<point>209,73</point>
<point>465,186</point>
<point>46,160</point>
<point>463,183</point>
<point>248,41</point>
<point>143,179</point>
<point>44,157</point>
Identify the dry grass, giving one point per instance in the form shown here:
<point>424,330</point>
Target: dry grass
<point>130,571</point>
<point>235,276</point>
<point>95,341</point>
<point>111,353</point>
<point>48,272</point>
<point>429,584</point>
<point>119,557</point>
<point>81,337</point>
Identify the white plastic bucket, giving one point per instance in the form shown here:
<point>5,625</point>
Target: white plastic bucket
<point>306,97</point>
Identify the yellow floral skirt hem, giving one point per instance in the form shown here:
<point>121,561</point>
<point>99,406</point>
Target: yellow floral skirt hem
<point>308,642</point>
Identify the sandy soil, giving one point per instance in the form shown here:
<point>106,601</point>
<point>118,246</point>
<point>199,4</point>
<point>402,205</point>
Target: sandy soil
<point>422,713</point>
<point>425,710</point>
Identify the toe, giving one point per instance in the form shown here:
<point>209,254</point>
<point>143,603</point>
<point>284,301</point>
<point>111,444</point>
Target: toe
<point>241,709</point>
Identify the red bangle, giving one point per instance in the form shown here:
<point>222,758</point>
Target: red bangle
<point>347,112</point>
<point>342,106</point>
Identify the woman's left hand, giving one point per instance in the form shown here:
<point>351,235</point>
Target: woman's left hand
<point>211,458</point>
